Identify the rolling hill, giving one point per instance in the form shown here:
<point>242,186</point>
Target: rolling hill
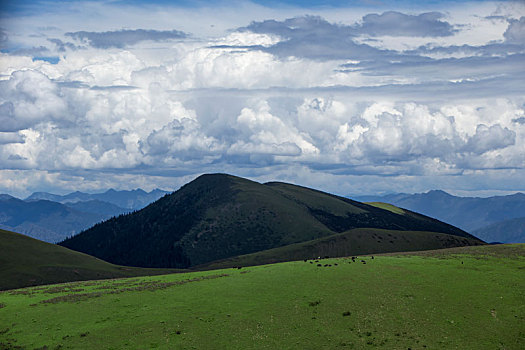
<point>467,213</point>
<point>354,242</point>
<point>25,261</point>
<point>458,298</point>
<point>219,216</point>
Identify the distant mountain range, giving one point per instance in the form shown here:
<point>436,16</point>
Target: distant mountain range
<point>507,231</point>
<point>52,218</point>
<point>219,216</point>
<point>491,217</point>
<point>134,199</point>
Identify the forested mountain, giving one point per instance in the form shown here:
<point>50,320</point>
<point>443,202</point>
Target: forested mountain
<point>218,216</point>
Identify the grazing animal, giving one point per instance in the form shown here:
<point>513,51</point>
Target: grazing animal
<point>319,265</point>
<point>364,262</point>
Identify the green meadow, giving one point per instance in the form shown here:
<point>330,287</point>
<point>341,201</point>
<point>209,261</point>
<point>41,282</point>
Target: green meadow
<point>459,298</point>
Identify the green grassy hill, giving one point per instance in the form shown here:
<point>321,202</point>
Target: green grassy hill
<point>219,216</point>
<point>25,261</point>
<point>459,298</point>
<point>358,241</point>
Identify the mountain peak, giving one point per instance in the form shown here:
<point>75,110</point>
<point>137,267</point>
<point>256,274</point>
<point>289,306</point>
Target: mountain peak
<point>218,216</point>
<point>438,193</point>
<point>4,197</point>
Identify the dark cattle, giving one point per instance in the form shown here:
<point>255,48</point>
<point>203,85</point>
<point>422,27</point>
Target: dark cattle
<point>319,265</point>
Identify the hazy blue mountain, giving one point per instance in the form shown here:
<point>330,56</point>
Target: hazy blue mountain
<point>98,207</point>
<point>37,196</point>
<point>4,197</point>
<point>45,220</point>
<point>507,231</point>
<point>134,199</point>
<point>52,218</point>
<point>467,213</point>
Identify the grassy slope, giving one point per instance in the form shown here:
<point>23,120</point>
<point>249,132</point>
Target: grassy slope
<point>353,242</point>
<point>25,261</point>
<point>218,216</point>
<point>387,206</point>
<point>462,298</point>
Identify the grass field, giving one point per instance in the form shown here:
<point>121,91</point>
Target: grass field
<point>387,206</point>
<point>460,298</point>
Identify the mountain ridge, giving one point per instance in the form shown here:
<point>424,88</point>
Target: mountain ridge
<point>218,216</point>
<point>467,213</point>
<point>26,261</point>
<point>128,199</point>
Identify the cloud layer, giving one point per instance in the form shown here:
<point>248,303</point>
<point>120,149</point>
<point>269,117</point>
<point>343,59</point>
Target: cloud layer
<point>323,103</point>
<point>123,38</point>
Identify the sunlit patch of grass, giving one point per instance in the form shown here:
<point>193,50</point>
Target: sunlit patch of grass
<point>469,298</point>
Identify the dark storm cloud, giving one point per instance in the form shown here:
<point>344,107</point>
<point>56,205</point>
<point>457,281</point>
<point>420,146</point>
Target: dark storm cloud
<point>515,32</point>
<point>31,51</point>
<point>460,69</point>
<point>313,37</point>
<point>10,137</point>
<point>490,50</point>
<point>394,23</point>
<point>61,46</point>
<point>490,138</point>
<point>301,27</point>
<point>123,38</point>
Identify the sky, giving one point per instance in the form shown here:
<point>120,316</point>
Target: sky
<point>350,97</point>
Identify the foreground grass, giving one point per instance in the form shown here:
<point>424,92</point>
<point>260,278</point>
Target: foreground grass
<point>463,298</point>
